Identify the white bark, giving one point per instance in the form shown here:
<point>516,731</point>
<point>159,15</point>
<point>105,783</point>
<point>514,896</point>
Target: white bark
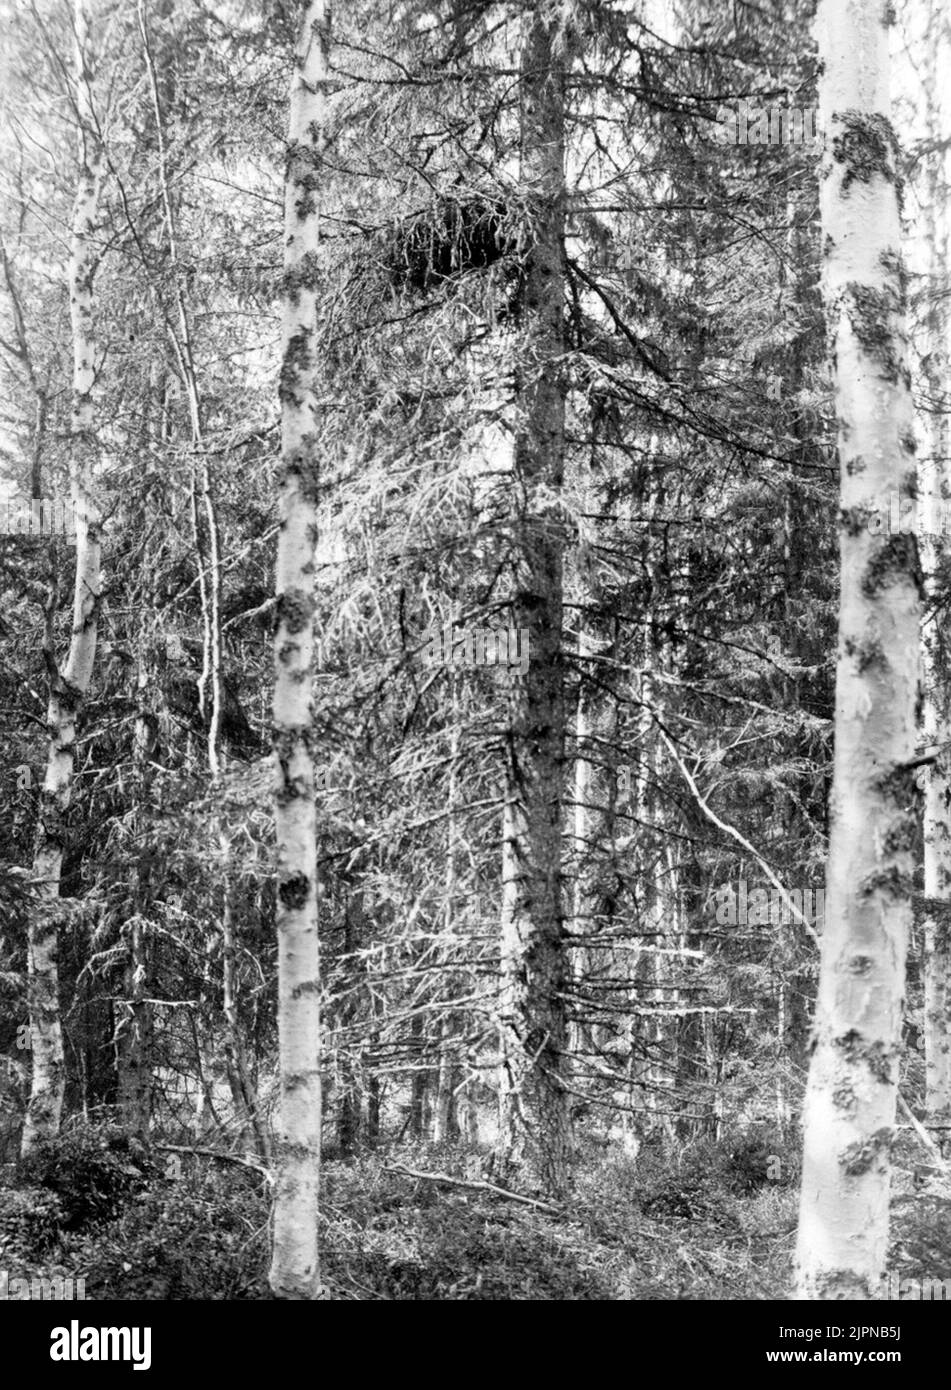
<point>935,489</point>
<point>294,1267</point>
<point>849,1110</point>
<point>69,686</point>
<point>209,584</point>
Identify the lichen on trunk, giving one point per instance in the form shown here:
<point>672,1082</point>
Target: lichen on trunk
<point>67,687</point>
<point>294,1266</point>
<point>849,1112</point>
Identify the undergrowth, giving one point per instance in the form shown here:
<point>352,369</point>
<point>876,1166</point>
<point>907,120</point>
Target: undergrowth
<point>706,1223</point>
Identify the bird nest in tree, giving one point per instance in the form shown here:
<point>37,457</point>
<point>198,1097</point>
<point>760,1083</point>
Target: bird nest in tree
<point>451,238</point>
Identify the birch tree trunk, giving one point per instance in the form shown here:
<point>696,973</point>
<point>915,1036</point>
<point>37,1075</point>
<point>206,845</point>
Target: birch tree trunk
<point>534,1116</point>
<point>67,687</point>
<point>935,489</point>
<point>209,575</point>
<point>851,1093</point>
<point>294,1266</point>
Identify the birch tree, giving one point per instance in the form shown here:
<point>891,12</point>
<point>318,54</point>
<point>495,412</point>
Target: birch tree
<point>932,506</point>
<point>294,1267</point>
<point>68,686</point>
<point>850,1101</point>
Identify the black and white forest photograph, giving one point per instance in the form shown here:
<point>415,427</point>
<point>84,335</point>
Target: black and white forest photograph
<point>475,666</point>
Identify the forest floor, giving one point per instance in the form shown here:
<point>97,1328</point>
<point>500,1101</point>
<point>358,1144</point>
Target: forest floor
<point>701,1224</point>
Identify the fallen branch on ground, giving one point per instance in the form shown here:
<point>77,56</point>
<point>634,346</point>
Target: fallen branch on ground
<point>216,1153</point>
<point>480,1186</point>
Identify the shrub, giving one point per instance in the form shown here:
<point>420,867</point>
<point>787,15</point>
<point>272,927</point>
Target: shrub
<point>921,1237</point>
<point>689,1188</point>
<point>93,1170</point>
<point>203,1237</point>
<point>31,1220</point>
<point>758,1157</point>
